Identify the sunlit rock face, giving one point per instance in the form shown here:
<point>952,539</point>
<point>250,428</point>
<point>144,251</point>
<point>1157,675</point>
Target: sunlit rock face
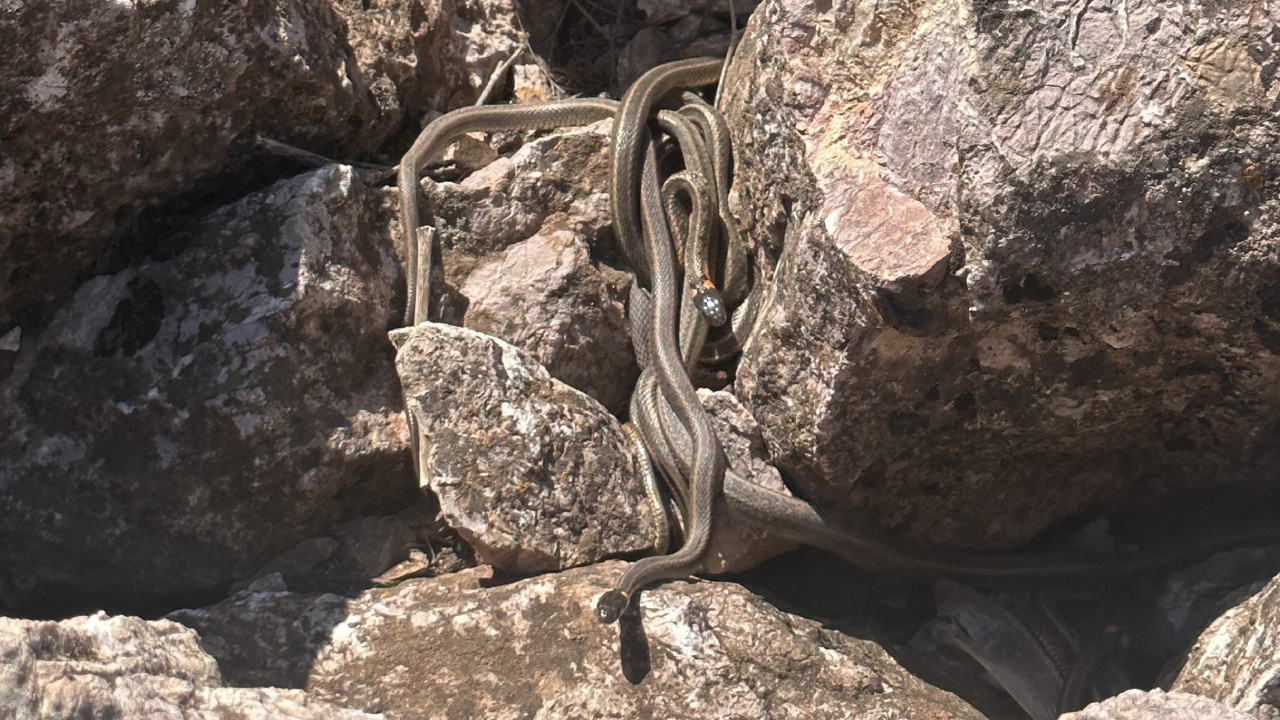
<point>1024,261</point>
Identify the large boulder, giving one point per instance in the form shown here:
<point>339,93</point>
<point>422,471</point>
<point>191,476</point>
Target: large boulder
<point>181,421</point>
<point>1024,259</point>
<point>111,111</point>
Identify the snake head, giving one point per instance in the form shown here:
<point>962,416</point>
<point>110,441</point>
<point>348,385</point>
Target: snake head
<point>611,605</point>
<point>709,302</point>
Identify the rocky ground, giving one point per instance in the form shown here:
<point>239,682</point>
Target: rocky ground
<point>1023,272</point>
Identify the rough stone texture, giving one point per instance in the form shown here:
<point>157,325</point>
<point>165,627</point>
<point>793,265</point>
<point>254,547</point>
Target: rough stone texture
<point>266,635</point>
<point>107,108</point>
<point>740,544</point>
<point>537,476</point>
<point>181,421</point>
<point>665,11</point>
<point>532,473</point>
<point>1194,597</point>
<point>1026,258</point>
<point>1157,705</point>
<point>1237,659</point>
<point>545,296</point>
<point>554,183</point>
<point>131,669</point>
<point>450,647</point>
<point>353,555</point>
<point>523,241</point>
<point>426,55</point>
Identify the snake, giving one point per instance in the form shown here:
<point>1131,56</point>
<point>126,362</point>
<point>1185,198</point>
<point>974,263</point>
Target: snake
<point>797,520</point>
<point>437,136</point>
<point>632,163</point>
<point>670,420</point>
<point>628,142</point>
<point>707,459</point>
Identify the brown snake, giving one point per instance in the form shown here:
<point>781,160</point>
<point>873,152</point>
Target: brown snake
<point>673,424</point>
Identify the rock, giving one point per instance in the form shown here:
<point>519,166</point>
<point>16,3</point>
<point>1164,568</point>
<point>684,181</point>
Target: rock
<point>553,183</point>
<point>663,11</point>
<point>459,646</point>
<point>267,636</point>
<point>1237,659</point>
<point>543,295</point>
<point>738,543</point>
<point>1025,259</point>
<point>181,421</point>
<point>347,560</point>
<point>1192,598</point>
<point>647,49</point>
<point>524,239</point>
<point>351,75</point>
<point>110,109</point>
<point>429,55</point>
<point>1156,705</point>
<point>125,667</point>
<point>533,474</point>
<point>537,476</point>
<point>374,544</point>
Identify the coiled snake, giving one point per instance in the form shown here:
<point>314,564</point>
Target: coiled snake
<point>669,328</point>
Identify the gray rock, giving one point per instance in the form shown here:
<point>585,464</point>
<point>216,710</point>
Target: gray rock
<point>435,55</point>
<point>1157,705</point>
<point>1194,597</point>
<point>180,422</point>
<point>533,474</point>
<point>347,560</point>
<point>374,544</point>
<point>553,183</point>
<point>537,476</point>
<point>1237,659</point>
<point>266,636</point>
<point>545,296</point>
<point>523,242</point>
<point>110,108</point>
<point>1024,257</point>
<point>738,543</point>
<point>664,11</point>
<point>452,647</point>
<point>131,669</point>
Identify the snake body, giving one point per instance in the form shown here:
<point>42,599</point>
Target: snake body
<point>645,241</point>
<point>673,429</point>
<point>707,459</point>
<point>627,142</point>
<point>444,130</point>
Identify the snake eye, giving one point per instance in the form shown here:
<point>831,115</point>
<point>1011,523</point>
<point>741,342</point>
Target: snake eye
<point>707,298</point>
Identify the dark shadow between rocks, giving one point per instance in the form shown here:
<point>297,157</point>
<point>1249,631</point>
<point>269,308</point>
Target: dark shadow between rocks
<point>893,612</point>
<point>60,603</point>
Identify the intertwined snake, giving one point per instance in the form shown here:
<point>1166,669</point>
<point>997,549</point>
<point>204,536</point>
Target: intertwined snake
<point>669,323</point>
<point>641,225</point>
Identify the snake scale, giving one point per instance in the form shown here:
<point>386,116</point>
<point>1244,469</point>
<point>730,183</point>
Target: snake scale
<point>668,326</point>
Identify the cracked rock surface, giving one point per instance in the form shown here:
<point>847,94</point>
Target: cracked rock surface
<point>524,241</point>
<point>109,108</point>
<point>534,474</point>
<point>1236,660</point>
<point>460,646</point>
<point>1026,260</point>
<point>1157,705</point>
<point>125,667</point>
